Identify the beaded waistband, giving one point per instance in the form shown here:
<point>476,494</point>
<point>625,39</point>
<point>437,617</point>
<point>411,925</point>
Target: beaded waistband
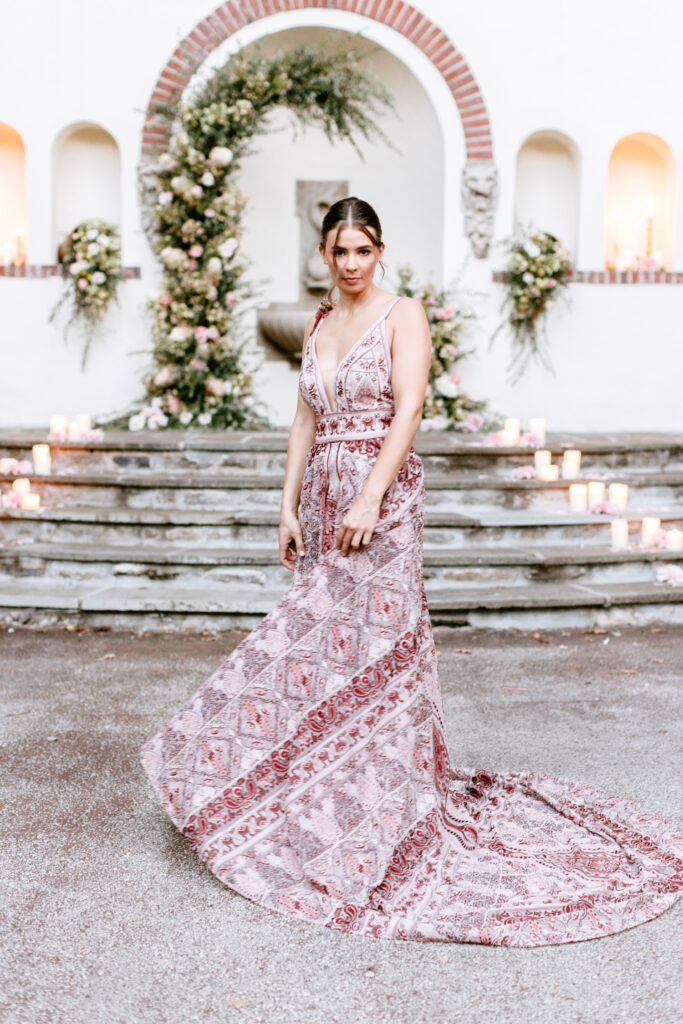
<point>347,426</point>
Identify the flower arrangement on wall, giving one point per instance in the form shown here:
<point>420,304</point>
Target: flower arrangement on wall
<point>447,406</point>
<point>91,258</point>
<point>536,273</point>
<point>194,209</point>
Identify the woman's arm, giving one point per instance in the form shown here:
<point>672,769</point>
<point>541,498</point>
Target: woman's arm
<point>301,437</point>
<point>411,358</point>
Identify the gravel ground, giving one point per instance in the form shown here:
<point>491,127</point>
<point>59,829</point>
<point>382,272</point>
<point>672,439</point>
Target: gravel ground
<point>107,917</point>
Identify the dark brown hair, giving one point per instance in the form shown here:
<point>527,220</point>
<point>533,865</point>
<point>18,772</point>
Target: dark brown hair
<point>351,212</point>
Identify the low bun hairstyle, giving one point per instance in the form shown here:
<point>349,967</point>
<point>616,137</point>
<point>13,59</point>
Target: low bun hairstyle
<point>351,212</point>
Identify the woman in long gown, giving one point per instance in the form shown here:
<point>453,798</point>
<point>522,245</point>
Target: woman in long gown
<point>311,772</point>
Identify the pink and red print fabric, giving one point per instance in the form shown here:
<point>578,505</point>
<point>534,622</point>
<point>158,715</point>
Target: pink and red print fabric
<point>310,772</point>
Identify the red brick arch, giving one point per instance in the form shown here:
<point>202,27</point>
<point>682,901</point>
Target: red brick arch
<point>232,15</point>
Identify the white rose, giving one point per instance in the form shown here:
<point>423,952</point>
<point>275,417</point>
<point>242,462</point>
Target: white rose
<point>167,161</point>
<point>180,333</point>
<point>99,277</point>
<point>445,386</point>
<point>208,179</point>
<point>165,376</point>
<point>214,386</point>
<point>185,418</point>
<point>528,277</point>
<point>214,268</point>
<point>103,241</point>
<point>197,191</point>
<point>227,387</point>
<point>532,249</point>
<point>204,418</point>
<point>227,248</point>
<point>165,198</point>
<point>136,422</point>
<point>220,156</point>
<point>93,249</point>
<point>92,234</point>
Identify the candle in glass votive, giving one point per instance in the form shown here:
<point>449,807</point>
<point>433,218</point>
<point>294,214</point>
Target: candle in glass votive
<point>649,527</point>
<point>674,540</point>
<point>618,496</point>
<point>22,485</point>
<point>578,497</point>
<point>59,425</point>
<point>548,472</point>
<point>511,429</point>
<point>619,533</point>
<point>542,458</point>
<point>537,427</point>
<point>596,492</point>
<point>571,462</point>
<point>83,422</point>
<point>42,460</point>
<point>73,431</point>
<point>30,502</point>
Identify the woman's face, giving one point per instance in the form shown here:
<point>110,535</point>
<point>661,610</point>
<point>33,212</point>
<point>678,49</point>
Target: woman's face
<point>351,259</point>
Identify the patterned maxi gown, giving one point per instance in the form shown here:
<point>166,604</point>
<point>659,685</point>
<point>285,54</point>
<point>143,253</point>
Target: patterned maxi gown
<point>311,774</point>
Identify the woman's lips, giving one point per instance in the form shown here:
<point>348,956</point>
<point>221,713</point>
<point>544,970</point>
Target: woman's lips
<point>350,280</point>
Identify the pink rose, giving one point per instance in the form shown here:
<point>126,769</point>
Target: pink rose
<point>196,250</point>
<point>444,313</point>
<point>208,212</point>
<point>165,300</point>
<point>200,333</point>
<point>229,299</point>
<point>213,333</point>
<point>173,404</point>
<point>82,283</point>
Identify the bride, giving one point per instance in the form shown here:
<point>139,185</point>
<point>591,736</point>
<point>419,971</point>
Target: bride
<point>310,772</point>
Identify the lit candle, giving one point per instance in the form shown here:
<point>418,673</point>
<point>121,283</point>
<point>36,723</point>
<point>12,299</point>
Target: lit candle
<point>42,460</point>
<point>20,243</point>
<point>30,502</point>
<point>578,497</point>
<point>59,425</point>
<point>73,432</point>
<point>537,427</point>
<point>649,527</point>
<point>84,422</point>
<point>571,462</point>
<point>618,496</point>
<point>549,473</point>
<point>619,533</point>
<point>596,492</point>
<point>22,485</point>
<point>542,458</point>
<point>511,429</point>
<point>674,540</point>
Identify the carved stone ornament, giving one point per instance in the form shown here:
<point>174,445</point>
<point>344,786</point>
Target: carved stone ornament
<point>479,201</point>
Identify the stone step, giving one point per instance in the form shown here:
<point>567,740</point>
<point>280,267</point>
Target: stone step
<point>448,490</point>
<point>264,451</point>
<point>101,525</point>
<point>154,605</point>
<point>258,568</point>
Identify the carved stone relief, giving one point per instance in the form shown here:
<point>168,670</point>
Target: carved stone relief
<point>479,200</point>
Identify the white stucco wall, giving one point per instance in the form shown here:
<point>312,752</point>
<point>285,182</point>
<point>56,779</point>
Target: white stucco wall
<point>617,352</point>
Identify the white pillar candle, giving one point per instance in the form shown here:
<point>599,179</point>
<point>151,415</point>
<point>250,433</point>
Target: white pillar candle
<point>596,492</point>
<point>542,458</point>
<point>618,496</point>
<point>537,427</point>
<point>649,527</point>
<point>674,540</point>
<point>571,462</point>
<point>59,425</point>
<point>619,533</point>
<point>84,422</point>
<point>42,460</point>
<point>30,502</point>
<point>6,254</point>
<point>22,485</point>
<point>578,497</point>
<point>511,428</point>
<point>548,472</point>
<point>73,431</point>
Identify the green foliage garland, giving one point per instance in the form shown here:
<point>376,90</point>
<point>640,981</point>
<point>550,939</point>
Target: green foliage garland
<point>536,273</point>
<point>194,213</point>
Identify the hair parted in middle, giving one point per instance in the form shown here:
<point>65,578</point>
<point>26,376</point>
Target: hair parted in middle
<point>351,212</point>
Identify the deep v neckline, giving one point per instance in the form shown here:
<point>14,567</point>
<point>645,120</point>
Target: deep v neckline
<point>313,339</point>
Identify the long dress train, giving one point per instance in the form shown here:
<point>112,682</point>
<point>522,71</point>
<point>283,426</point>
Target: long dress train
<point>311,774</point>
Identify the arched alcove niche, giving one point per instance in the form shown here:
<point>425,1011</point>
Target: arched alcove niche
<point>639,223</point>
<point>12,194</point>
<point>547,186</point>
<point>86,178</point>
<point>405,185</point>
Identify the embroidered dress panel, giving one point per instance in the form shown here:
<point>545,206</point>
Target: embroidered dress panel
<point>311,771</point>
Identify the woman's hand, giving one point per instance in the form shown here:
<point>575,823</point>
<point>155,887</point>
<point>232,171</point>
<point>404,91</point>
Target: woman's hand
<point>358,524</point>
<point>289,535</point>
